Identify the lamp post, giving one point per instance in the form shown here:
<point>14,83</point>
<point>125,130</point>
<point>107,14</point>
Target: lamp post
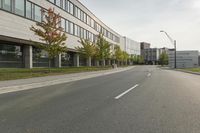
<point>174,43</point>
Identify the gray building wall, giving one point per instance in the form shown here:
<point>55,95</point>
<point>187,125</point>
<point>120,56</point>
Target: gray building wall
<point>184,59</point>
<point>132,47</point>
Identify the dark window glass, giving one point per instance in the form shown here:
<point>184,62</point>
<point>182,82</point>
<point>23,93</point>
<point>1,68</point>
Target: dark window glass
<point>7,5</point>
<point>40,58</point>
<point>37,14</point>
<point>19,7</point>
<point>10,56</point>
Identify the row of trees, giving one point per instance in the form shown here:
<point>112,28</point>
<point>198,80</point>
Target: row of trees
<point>54,37</point>
<point>101,51</point>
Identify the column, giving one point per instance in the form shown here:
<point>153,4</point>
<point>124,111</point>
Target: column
<point>28,56</point>
<point>76,60</point>
<point>58,61</point>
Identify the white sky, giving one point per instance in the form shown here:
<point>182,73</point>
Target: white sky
<point>142,20</point>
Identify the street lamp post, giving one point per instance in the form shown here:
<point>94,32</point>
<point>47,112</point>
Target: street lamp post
<point>174,43</point>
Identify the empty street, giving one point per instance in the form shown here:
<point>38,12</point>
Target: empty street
<point>145,99</point>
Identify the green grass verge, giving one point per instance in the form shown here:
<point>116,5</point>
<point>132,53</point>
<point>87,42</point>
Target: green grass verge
<point>193,69</point>
<point>21,73</point>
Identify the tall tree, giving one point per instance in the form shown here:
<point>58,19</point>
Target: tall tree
<point>163,59</point>
<point>125,57</point>
<point>118,54</point>
<point>88,50</point>
<point>51,34</point>
<point>103,48</point>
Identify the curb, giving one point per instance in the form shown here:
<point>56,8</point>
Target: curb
<point>28,86</point>
<point>196,73</point>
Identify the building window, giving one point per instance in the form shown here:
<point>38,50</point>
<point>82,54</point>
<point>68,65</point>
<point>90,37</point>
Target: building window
<point>37,14</point>
<point>71,8</point>
<point>52,1</point>
<point>75,11</point>
<point>11,56</point>
<point>67,6</point>
<point>28,10</point>
<point>82,33</point>
<point>19,7</point>
<point>62,23</point>
<point>88,20</point>
<point>79,13</point>
<point>67,26</point>
<point>6,5</point>
<point>71,28</point>
<point>58,3</point>
<point>84,17</point>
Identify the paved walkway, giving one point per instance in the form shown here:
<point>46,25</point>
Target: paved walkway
<point>25,84</point>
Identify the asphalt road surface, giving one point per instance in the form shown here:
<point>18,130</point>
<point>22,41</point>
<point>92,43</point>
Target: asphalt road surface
<point>145,99</point>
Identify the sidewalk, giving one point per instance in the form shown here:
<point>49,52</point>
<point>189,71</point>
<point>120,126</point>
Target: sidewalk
<point>26,84</point>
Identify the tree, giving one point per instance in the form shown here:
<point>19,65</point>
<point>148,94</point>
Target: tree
<point>140,59</point>
<point>51,34</point>
<point>88,50</point>
<point>103,49</point>
<point>163,59</point>
<point>125,56</point>
<point>118,54</point>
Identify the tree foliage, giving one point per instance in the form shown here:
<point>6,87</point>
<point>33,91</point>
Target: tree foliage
<point>103,48</point>
<point>88,48</point>
<point>163,60</point>
<point>51,34</point>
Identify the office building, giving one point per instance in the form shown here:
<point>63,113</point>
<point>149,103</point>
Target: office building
<point>17,16</point>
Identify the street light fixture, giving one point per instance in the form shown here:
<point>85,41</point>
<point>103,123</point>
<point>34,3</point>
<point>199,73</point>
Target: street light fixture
<point>174,43</point>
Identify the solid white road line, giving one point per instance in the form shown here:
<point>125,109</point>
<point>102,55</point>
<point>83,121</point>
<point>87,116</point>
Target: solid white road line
<point>122,94</point>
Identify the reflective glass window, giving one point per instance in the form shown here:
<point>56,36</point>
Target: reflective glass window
<point>67,26</point>
<point>7,5</point>
<point>62,21</point>
<point>71,25</point>
<point>58,2</point>
<point>19,7</point>
<point>37,14</point>
<point>28,10</point>
<point>11,56</point>
<point>71,8</point>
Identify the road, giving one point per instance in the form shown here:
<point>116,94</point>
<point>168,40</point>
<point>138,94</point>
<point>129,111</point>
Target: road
<point>145,99</point>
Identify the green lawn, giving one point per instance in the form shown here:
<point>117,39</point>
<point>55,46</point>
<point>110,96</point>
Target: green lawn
<point>21,73</point>
<point>193,69</point>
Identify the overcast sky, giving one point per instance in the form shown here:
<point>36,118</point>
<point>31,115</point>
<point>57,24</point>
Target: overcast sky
<point>142,20</point>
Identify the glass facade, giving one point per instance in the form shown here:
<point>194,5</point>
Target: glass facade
<point>10,55</point>
<point>67,59</point>
<point>40,58</point>
<point>19,7</point>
